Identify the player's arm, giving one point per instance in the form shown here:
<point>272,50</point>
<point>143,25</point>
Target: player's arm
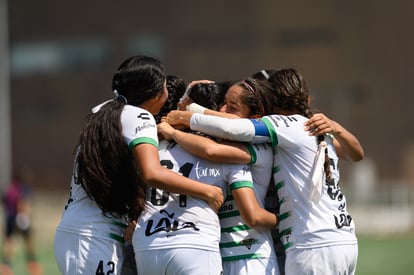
<point>226,128</point>
<point>197,108</point>
<point>220,114</point>
<point>129,231</point>
<point>240,129</point>
<point>346,144</point>
<point>152,173</point>
<point>252,214</point>
<point>206,148</point>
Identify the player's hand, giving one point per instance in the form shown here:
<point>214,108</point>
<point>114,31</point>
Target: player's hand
<point>319,124</point>
<point>165,130</point>
<point>178,118</point>
<point>215,198</point>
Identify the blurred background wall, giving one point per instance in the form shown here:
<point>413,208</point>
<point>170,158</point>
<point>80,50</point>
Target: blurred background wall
<point>356,56</point>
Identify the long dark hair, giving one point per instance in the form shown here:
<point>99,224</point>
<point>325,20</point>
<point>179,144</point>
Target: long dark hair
<point>209,95</point>
<point>292,94</point>
<point>106,168</point>
<point>176,88</point>
<point>257,95</point>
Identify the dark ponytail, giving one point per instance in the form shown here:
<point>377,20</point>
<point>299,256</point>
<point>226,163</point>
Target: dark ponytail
<point>291,94</point>
<point>106,167</point>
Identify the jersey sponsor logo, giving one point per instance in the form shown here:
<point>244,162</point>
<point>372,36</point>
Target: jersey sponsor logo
<point>144,116</point>
<point>249,242</point>
<point>145,125</point>
<point>285,119</point>
<point>206,171</point>
<point>167,224</point>
<point>343,218</point>
<point>292,118</point>
<point>226,207</point>
<point>261,146</point>
<point>75,180</point>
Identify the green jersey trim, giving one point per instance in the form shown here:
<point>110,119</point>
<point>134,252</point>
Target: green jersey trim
<point>272,132</point>
<point>234,228</point>
<point>241,184</point>
<point>116,237</point>
<point>240,257</point>
<point>140,140</point>
<point>228,214</point>
<point>253,156</point>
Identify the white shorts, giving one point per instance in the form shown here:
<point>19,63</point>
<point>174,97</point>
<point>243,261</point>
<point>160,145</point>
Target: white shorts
<point>336,259</point>
<point>178,261</point>
<point>76,254</point>
<point>263,266</point>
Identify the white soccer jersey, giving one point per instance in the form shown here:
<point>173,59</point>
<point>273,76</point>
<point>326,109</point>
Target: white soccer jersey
<point>238,241</point>
<point>178,221</point>
<point>302,222</point>
<point>81,215</point>
<point>138,126</point>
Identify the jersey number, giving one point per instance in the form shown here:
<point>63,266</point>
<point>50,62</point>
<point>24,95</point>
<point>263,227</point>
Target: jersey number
<point>185,171</point>
<point>100,268</point>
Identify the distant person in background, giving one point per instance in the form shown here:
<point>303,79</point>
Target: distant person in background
<point>17,205</point>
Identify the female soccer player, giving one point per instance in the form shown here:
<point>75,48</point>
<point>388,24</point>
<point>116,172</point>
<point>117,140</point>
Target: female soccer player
<point>116,158</point>
<point>246,245</point>
<point>317,231</point>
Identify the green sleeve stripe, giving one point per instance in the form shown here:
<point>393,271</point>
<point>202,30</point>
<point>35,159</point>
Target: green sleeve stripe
<point>276,169</point>
<point>284,216</point>
<point>240,257</point>
<point>228,214</point>
<point>137,141</point>
<point>241,184</point>
<point>235,228</point>
<point>287,245</point>
<point>285,232</point>
<point>272,132</point>
<point>116,237</point>
<point>253,156</point>
<point>120,224</point>
<point>279,185</point>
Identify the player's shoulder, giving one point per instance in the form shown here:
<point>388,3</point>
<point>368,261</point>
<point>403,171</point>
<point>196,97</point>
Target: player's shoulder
<point>138,111</point>
<point>132,115</point>
<point>285,120</point>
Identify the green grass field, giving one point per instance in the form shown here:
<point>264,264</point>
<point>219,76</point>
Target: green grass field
<point>378,255</point>
<point>391,255</point>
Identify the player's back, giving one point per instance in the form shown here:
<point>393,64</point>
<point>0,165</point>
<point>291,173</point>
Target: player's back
<point>173,220</point>
<point>307,223</point>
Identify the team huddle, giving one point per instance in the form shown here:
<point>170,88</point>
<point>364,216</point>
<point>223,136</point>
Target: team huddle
<point>234,177</point>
